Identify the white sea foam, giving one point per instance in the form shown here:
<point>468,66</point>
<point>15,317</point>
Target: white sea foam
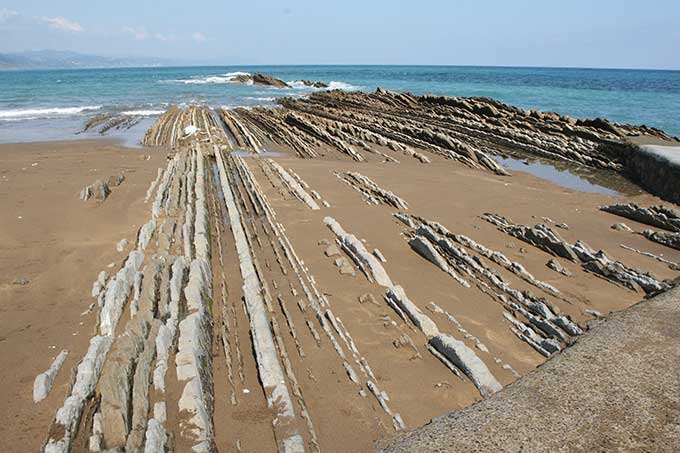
<point>47,112</point>
<point>142,112</point>
<point>216,79</point>
<point>334,85</point>
<point>255,98</point>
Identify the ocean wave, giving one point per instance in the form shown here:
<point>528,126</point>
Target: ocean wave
<point>255,98</point>
<point>142,112</point>
<point>333,85</point>
<point>47,112</point>
<point>215,79</point>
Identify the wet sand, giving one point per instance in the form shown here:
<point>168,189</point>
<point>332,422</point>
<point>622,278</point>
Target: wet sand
<point>61,243</point>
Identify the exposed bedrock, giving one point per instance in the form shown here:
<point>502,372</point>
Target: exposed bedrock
<point>466,359</point>
<point>370,191</point>
<point>530,317</point>
<point>269,367</point>
<point>43,382</point>
<point>656,216</point>
<point>671,240</point>
<point>260,80</point>
<point>445,347</point>
<point>177,127</point>
<point>542,237</point>
<point>107,122</point>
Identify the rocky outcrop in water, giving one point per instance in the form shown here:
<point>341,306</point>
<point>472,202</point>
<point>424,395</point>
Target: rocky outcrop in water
<point>260,80</point>
<point>107,122</point>
<point>313,84</point>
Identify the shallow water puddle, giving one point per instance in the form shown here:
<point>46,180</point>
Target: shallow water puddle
<point>563,178</point>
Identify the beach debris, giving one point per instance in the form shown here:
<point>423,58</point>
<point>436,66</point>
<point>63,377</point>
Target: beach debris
<point>190,130</point>
<point>21,281</point>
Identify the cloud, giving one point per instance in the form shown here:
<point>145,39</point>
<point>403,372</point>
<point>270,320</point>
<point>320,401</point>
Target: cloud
<point>7,14</point>
<point>162,37</point>
<point>61,23</point>
<point>199,37</point>
<point>139,33</point>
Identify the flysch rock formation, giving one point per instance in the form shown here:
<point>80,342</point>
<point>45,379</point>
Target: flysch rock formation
<point>470,130</point>
<point>107,122</point>
<point>214,333</point>
<point>656,216</point>
<point>43,382</point>
<point>371,192</point>
<point>530,317</point>
<point>450,349</point>
<point>542,237</point>
<point>260,80</point>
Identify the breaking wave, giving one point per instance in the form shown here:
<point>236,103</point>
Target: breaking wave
<point>216,79</point>
<point>333,85</point>
<point>142,112</point>
<point>47,112</point>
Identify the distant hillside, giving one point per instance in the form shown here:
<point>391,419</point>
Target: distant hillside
<point>56,59</point>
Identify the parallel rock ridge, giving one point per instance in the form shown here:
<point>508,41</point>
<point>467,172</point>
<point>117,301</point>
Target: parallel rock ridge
<point>542,237</point>
<point>211,299</point>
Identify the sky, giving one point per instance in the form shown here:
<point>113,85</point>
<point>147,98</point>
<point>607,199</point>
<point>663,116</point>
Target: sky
<point>560,33</point>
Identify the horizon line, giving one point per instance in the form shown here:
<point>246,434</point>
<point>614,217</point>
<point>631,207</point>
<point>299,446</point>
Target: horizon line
<point>232,65</point>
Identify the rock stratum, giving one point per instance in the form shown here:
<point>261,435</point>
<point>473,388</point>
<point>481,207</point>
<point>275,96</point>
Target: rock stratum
<point>343,267</point>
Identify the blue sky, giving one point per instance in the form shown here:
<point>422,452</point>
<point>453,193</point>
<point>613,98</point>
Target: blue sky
<point>594,33</point>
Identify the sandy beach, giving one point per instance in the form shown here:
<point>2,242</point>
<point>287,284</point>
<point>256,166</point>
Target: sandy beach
<point>287,332</point>
<point>58,243</point>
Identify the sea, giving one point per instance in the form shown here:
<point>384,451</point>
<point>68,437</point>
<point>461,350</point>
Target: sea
<point>41,105</point>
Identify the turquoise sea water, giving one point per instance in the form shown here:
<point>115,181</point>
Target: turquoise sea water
<point>54,104</point>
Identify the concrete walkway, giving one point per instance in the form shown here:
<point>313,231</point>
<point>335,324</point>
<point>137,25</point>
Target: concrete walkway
<point>617,388</point>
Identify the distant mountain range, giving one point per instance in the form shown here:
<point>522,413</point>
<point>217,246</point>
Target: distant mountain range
<point>58,59</point>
